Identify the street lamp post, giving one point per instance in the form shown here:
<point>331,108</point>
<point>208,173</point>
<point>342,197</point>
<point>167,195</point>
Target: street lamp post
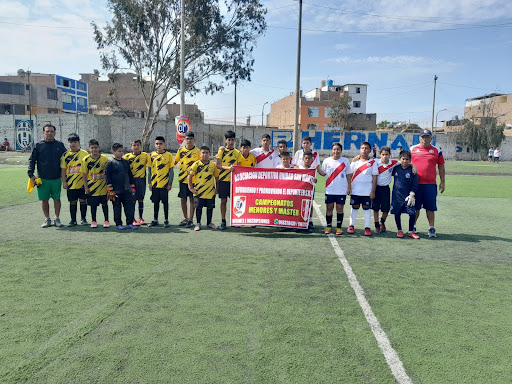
<point>436,118</point>
<point>262,110</point>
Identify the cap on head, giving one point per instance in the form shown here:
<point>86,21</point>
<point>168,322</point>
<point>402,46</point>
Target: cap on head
<point>425,132</point>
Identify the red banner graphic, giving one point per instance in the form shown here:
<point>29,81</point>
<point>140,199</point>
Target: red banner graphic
<point>271,197</point>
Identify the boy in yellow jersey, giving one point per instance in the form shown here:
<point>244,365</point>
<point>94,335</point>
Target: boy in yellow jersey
<point>72,180</point>
<point>160,178</point>
<point>202,184</point>
<point>138,162</point>
<point>247,159</point>
<point>186,156</point>
<point>227,157</point>
<point>93,175</point>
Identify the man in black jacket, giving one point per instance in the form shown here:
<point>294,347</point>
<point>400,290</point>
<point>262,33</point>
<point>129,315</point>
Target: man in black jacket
<point>46,156</point>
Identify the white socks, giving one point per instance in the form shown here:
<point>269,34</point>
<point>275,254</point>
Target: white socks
<point>353,216</point>
<point>367,218</point>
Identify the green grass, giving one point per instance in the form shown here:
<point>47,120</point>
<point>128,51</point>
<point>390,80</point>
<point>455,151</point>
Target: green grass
<point>478,168</point>
<point>255,305</point>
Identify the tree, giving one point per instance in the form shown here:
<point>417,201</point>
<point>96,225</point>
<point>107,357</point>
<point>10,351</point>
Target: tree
<point>339,112</point>
<point>383,124</point>
<point>144,35</point>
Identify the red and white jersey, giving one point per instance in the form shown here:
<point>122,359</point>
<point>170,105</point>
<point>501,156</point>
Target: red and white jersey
<point>336,175</point>
<point>299,155</point>
<point>362,176</point>
<point>385,171</point>
<point>426,159</point>
<point>278,162</point>
<point>310,167</point>
<point>264,159</point>
<point>497,153</point>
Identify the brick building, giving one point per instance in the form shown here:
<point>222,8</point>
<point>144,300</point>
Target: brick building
<point>494,105</point>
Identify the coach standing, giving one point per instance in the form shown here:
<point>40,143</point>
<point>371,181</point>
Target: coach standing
<point>46,154</point>
<point>426,156</point>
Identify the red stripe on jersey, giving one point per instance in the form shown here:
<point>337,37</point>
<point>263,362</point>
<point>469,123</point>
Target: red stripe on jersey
<point>315,154</point>
<point>362,168</point>
<point>262,156</point>
<point>335,174</point>
<point>384,168</point>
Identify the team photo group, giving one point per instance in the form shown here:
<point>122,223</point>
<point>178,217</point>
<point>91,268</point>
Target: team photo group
<point>91,180</point>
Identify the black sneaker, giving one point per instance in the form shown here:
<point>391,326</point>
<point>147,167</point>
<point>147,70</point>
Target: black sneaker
<point>223,226</point>
<point>310,227</point>
<point>166,224</point>
<point>72,224</point>
<point>183,223</point>
<point>154,223</point>
<point>84,222</point>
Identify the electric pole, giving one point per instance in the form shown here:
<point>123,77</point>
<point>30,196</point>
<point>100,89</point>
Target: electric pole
<point>296,132</point>
<point>434,101</point>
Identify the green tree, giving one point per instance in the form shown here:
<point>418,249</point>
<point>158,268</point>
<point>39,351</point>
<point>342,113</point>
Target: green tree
<point>339,112</point>
<point>481,137</point>
<point>144,36</point>
<point>383,124</point>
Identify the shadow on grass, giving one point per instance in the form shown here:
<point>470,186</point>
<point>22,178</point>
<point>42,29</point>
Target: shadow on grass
<point>113,228</point>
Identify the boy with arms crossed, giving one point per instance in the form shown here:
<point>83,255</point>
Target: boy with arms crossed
<point>337,186</point>
<point>139,161</point>
<point>93,174</point>
<point>202,184</point>
<point>160,180</point>
<point>186,156</point>
<point>72,180</point>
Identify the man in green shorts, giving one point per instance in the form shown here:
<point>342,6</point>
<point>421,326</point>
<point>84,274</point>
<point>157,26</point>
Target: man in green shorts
<point>46,156</point>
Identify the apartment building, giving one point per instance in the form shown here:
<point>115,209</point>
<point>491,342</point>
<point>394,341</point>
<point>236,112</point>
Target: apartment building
<point>493,105</point>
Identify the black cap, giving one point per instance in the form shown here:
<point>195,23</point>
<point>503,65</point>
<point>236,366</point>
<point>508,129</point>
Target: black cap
<point>425,132</point>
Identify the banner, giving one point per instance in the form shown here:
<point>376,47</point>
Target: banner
<point>182,127</point>
<point>271,197</point>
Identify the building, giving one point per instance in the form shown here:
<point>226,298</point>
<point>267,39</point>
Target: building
<point>314,107</point>
<point>494,105</point>
<point>191,110</point>
<point>44,93</point>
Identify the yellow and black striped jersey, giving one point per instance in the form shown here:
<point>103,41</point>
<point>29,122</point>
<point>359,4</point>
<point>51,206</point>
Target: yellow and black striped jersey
<point>138,164</point>
<point>161,164</point>
<point>95,171</point>
<point>186,157</point>
<point>204,178</point>
<point>250,161</point>
<point>72,162</point>
<point>228,157</point>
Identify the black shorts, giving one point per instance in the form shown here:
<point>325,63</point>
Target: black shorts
<point>401,207</point>
<point>94,201</point>
<point>76,194</point>
<point>200,203</point>
<point>224,189</point>
<point>159,195</point>
<point>338,199</point>
<point>140,189</point>
<point>381,201</point>
<point>184,191</point>
<point>360,200</point>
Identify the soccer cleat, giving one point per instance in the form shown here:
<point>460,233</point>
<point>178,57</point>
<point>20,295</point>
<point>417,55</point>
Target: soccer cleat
<point>413,235</point>
<point>71,224</point>
<point>382,227</point>
<point>84,222</point>
<point>432,232</point>
<point>57,222</point>
<point>328,230</point>
<point>377,231</point>
<point>190,223</point>
<point>197,227</point>
<point>183,223</point>
<point>223,226</point>
<point>400,234</point>
<point>135,222</point>
<point>142,222</point>
<point>106,224</point>
<point>94,224</point>
<point>212,226</point>
<point>47,223</point>
<point>311,225</point>
<point>339,231</point>
<point>122,227</point>
<point>166,224</point>
<point>133,226</point>
<point>367,231</point>
<point>154,223</point>
<point>350,229</point>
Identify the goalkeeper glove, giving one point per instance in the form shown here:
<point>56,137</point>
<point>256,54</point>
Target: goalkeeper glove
<point>111,195</point>
<point>133,188</point>
<point>410,200</point>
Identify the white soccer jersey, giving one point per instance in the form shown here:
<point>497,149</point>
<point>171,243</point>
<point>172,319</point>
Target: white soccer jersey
<point>362,176</point>
<point>299,155</point>
<point>336,175</point>
<point>264,159</point>
<point>277,161</point>
<point>385,172</point>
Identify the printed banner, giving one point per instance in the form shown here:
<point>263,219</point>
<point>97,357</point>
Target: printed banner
<point>271,197</point>
<point>182,127</point>
<point>24,134</point>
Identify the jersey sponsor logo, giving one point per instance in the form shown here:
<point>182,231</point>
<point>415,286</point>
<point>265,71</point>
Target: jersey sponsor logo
<point>239,206</point>
<point>97,176</point>
<point>75,169</point>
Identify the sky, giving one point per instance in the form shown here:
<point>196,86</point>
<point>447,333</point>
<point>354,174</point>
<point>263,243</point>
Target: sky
<point>394,46</point>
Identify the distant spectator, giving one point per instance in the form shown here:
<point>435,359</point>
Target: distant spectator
<point>5,145</point>
<point>497,155</point>
<point>491,155</point>
<point>374,151</point>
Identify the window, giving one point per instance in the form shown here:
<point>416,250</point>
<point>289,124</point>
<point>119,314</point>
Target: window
<point>327,111</point>
<point>368,117</point>
<point>81,86</point>
<point>67,99</point>
<point>357,104</point>
<point>19,109</point>
<point>51,93</point>
<point>313,126</point>
<point>81,101</point>
<point>8,88</point>
<point>65,83</point>
<point>53,110</point>
<point>358,90</point>
<point>313,112</point>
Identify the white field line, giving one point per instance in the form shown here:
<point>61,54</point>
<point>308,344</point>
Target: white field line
<point>392,359</point>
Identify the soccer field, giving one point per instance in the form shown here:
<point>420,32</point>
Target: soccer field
<point>254,305</point>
